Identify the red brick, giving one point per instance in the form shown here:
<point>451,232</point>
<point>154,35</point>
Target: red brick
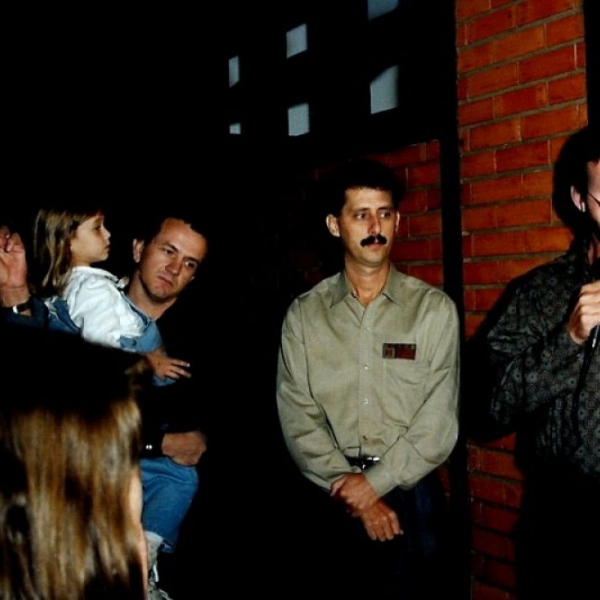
<point>495,134</point>
<point>519,43</point>
<point>550,239</point>
<point>413,201</point>
<point>492,80</point>
<point>528,12</point>
<point>472,324</point>
<point>500,464</point>
<point>432,274</point>
<point>483,217</point>
<point>425,224</point>
<point>423,174</point>
<point>489,24</point>
<point>523,156</point>
<point>474,165</point>
<point>494,571</point>
<point>498,519</point>
<point>436,248</point>
<point>507,442</point>
<point>541,66</point>
<point>407,250</point>
<point>480,272</point>
<point>525,213</point>
<point>550,122</point>
<point>408,155</point>
<point>572,87</point>
<point>475,57</point>
<point>494,544</point>
<point>538,183</point>
<point>507,493</point>
<point>483,591</point>
<point>470,8</point>
<point>499,244</point>
<point>432,150</point>
<point>580,55</point>
<point>515,267</point>
<point>521,100</point>
<point>469,299</point>
<point>486,298</point>
<point>493,190</point>
<point>434,198</point>
<point>563,30</point>
<point>476,111</point>
<point>467,246</point>
<point>462,88</point>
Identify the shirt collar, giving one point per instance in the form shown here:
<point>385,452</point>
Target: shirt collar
<point>391,289</point>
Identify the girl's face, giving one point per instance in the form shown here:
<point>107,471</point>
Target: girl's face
<point>90,244</point>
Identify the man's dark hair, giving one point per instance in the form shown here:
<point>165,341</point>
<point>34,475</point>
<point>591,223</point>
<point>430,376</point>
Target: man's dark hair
<point>149,225</point>
<point>356,174</point>
<point>571,170</point>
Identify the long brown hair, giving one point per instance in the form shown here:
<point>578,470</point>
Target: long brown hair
<point>53,230</point>
<point>69,445</point>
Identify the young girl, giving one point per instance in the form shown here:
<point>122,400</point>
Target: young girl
<point>67,241</point>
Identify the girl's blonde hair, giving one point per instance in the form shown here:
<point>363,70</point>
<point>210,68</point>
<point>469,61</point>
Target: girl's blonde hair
<point>53,230</point>
<point>69,445</point>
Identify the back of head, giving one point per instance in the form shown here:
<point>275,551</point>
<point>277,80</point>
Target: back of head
<point>356,174</point>
<point>69,442</point>
<point>570,171</point>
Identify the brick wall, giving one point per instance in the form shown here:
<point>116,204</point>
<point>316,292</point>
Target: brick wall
<point>521,93</point>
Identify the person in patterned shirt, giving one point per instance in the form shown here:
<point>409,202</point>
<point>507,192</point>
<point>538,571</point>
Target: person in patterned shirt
<point>546,384</point>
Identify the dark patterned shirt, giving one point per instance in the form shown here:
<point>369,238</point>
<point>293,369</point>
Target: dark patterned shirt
<point>537,367</point>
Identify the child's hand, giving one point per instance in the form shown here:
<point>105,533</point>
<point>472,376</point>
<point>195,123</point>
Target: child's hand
<point>164,366</point>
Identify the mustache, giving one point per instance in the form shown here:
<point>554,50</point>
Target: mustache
<point>374,239</point>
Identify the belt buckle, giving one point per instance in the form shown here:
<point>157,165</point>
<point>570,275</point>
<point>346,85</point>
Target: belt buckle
<point>368,461</point>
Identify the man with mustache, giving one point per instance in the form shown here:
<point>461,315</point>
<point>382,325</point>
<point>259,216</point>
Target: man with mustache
<point>367,395</point>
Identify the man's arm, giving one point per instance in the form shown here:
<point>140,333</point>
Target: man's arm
<point>184,448</point>
<point>303,422</point>
<point>534,356</point>
<point>14,289</point>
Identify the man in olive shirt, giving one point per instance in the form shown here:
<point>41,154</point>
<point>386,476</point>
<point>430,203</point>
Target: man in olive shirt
<point>367,395</point>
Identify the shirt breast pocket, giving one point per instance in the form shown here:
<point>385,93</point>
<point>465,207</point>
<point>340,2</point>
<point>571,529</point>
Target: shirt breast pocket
<point>404,388</point>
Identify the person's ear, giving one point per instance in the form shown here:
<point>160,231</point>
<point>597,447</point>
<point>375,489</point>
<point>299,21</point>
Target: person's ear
<point>332,225</point>
<point>578,199</point>
<point>397,225</point>
<point>138,247</point>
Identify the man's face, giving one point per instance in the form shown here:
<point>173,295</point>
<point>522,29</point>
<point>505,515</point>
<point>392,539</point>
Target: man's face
<point>367,225</point>
<point>168,263</point>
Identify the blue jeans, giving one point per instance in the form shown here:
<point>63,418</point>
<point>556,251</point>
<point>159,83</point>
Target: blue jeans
<point>168,491</point>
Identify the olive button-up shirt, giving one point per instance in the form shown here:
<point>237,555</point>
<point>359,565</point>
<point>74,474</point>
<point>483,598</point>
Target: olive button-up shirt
<point>380,380</point>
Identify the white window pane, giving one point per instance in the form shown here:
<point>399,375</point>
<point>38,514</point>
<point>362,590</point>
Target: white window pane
<point>296,40</point>
<point>235,128</point>
<point>298,122</point>
<point>377,8</point>
<point>234,70</point>
<point>384,90</point>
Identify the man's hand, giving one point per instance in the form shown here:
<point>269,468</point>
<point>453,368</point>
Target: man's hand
<point>355,491</point>
<point>13,269</point>
<point>586,314</point>
<point>184,448</point>
<point>381,522</point>
<point>164,366</point>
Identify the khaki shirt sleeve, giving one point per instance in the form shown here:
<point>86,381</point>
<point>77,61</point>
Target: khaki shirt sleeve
<point>303,422</point>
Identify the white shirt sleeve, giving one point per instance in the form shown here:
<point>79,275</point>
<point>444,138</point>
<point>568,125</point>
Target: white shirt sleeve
<point>97,306</point>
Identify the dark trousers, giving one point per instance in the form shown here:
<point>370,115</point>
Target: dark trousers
<point>340,554</point>
<point>558,536</point>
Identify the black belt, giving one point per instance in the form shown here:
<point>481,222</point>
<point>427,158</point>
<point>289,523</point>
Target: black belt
<point>363,462</point>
